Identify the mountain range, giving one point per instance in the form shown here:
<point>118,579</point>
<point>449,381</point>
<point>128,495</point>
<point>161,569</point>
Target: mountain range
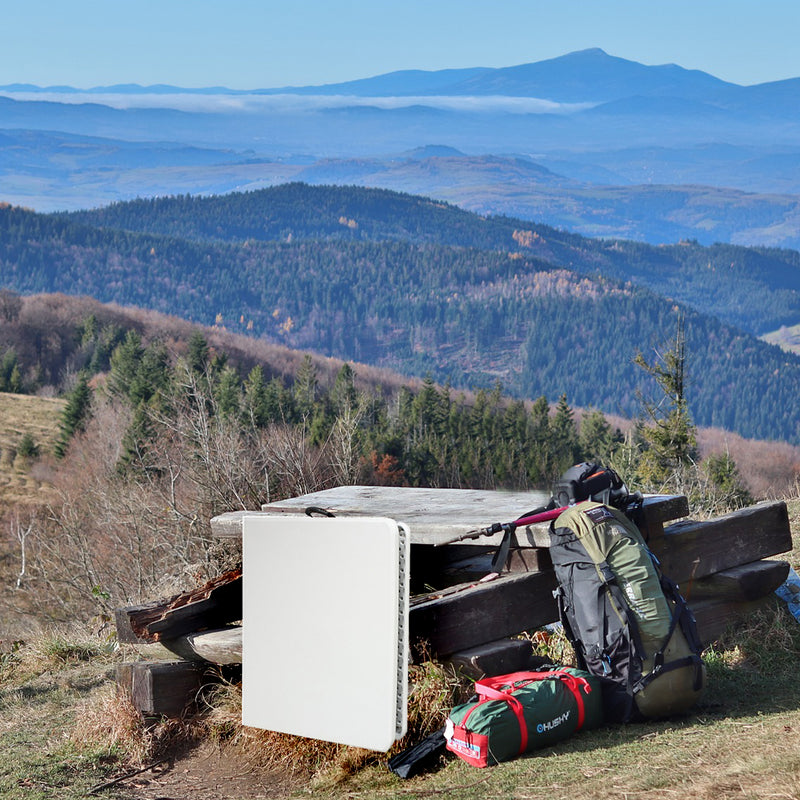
<point>587,142</point>
<point>422,287</point>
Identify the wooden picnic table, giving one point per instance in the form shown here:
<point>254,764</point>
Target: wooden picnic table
<point>725,566</point>
<point>436,516</point>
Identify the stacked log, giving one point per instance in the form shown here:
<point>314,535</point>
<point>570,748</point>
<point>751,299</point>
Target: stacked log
<point>719,565</point>
<point>184,625</point>
<point>466,616</point>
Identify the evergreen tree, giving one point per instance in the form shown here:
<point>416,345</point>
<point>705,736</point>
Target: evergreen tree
<point>280,404</point>
<point>596,440</point>
<point>74,415</point>
<point>198,353</point>
<point>125,361</point>
<point>152,376</point>
<point>88,330</point>
<point>228,392</point>
<point>726,488</point>
<point>563,436</point>
<point>10,374</point>
<point>306,386</point>
<point>27,447</point>
<point>255,405</point>
<point>541,469</point>
<point>344,394</point>
<point>135,446</point>
<point>669,435</point>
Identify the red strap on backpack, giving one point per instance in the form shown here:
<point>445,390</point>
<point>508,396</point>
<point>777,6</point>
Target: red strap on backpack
<point>501,687</point>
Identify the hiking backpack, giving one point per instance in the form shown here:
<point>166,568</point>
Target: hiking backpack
<point>628,623</point>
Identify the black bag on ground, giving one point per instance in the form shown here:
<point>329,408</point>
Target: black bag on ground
<point>628,623</point>
<point>419,757</point>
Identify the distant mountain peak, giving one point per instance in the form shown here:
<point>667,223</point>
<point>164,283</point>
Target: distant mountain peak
<point>588,51</point>
<point>434,151</point>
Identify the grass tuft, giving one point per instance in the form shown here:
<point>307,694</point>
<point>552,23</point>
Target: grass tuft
<point>111,724</point>
<point>56,649</point>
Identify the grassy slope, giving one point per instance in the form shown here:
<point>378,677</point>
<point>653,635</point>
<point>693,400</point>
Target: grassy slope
<point>741,742</point>
<point>21,414</point>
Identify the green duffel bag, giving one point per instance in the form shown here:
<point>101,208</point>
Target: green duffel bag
<point>523,711</point>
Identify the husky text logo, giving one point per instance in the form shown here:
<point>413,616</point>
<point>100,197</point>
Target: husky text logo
<point>543,727</point>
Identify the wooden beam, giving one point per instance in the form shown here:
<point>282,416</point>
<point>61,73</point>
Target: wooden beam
<point>692,550</point>
<point>222,646</point>
<point>746,582</point>
<point>463,617</point>
<point>655,510</point>
<point>440,567</point>
<point>161,688</point>
<point>495,658</point>
<point>730,592</point>
<point>715,617</point>
<point>212,605</point>
<point>468,616</point>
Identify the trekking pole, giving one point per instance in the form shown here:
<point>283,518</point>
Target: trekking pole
<point>531,518</point>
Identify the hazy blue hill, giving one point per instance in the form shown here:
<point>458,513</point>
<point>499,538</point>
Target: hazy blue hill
<point>97,119</point>
<point>583,76</point>
<point>775,99</point>
<point>434,151</point>
<point>592,76</point>
<point>445,172</point>
<point>400,83</point>
<point>54,152</point>
<point>636,129</point>
<point>667,105</point>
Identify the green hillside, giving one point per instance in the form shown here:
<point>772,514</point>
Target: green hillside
<point>756,289</point>
<point>461,314</point>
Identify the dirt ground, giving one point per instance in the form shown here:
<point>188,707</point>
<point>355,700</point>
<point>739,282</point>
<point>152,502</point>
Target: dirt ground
<point>204,773</point>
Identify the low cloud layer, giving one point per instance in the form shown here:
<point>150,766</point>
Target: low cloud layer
<point>276,103</point>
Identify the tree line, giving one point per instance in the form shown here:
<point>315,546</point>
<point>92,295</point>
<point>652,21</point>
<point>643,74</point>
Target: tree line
<point>754,288</point>
<point>464,316</point>
<point>433,436</point>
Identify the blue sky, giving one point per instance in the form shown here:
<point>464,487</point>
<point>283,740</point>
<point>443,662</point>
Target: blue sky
<point>246,44</point>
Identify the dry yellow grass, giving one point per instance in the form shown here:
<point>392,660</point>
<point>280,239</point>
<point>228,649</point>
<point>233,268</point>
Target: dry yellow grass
<point>20,415</point>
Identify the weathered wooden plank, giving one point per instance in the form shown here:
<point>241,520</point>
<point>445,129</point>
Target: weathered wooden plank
<point>655,510</point>
<point>228,525</point>
<point>691,550</point>
<point>495,658</point>
<point>222,646</point>
<point>161,688</point>
<point>212,605</point>
<point>466,617</point>
<point>746,582</point>
<point>461,618</point>
<point>436,516</point>
<point>433,516</point>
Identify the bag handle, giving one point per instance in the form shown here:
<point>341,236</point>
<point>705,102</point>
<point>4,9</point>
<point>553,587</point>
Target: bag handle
<point>488,692</point>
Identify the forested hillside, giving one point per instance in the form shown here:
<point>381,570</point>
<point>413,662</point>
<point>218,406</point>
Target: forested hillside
<point>757,289</point>
<point>401,431</point>
<point>469,316</point>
